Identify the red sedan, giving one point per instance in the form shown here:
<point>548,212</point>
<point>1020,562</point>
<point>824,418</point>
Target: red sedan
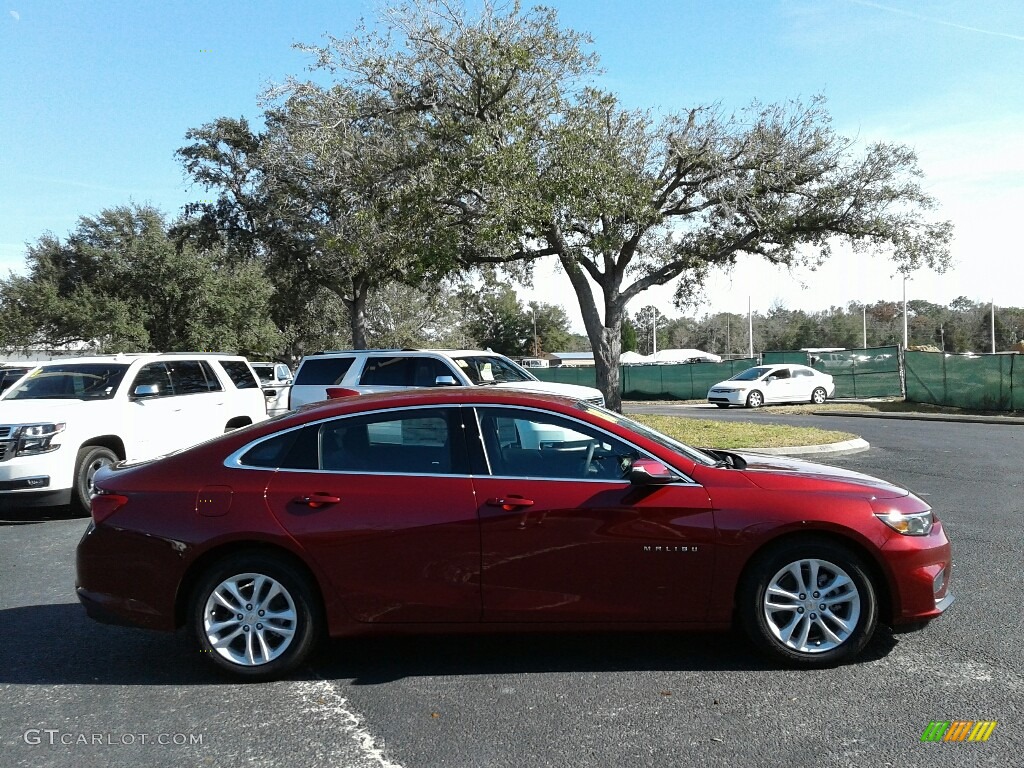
<point>495,510</point>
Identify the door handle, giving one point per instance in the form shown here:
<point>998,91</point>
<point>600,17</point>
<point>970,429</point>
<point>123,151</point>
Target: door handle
<point>317,500</point>
<point>511,502</point>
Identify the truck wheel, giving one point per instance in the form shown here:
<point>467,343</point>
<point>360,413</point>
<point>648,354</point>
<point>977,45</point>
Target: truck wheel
<point>91,458</point>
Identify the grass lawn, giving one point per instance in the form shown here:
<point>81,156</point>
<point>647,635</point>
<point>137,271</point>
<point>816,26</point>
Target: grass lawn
<point>707,433</point>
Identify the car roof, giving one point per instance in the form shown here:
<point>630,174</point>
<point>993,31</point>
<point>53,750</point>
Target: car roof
<point>131,357</point>
<point>447,352</point>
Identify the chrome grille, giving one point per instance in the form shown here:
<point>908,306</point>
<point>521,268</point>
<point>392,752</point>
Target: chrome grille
<point>5,430</point>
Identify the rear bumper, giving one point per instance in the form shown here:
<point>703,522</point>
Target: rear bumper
<point>127,579</point>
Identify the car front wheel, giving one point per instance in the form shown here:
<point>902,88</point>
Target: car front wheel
<point>810,604</point>
<point>819,396</point>
<point>255,616</point>
<point>755,399</point>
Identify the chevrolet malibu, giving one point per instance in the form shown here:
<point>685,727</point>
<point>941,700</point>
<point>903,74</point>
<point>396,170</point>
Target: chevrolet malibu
<point>469,509</point>
<point>763,384</point>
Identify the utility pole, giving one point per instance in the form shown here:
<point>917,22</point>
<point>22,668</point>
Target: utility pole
<point>905,338</point>
<point>865,310</point>
<point>993,326</point>
<point>654,332</point>
<point>536,346</point>
<point>750,326</point>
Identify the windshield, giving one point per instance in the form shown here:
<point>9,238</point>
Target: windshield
<point>751,374</point>
<point>491,369</point>
<point>694,454</point>
<point>69,381</point>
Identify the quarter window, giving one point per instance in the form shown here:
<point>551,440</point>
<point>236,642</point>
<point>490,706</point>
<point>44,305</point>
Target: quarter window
<point>240,374</point>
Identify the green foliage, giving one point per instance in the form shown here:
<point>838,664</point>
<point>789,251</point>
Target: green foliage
<point>118,283</point>
<point>629,339</point>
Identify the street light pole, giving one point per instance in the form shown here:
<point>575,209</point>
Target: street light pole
<point>750,326</point>
<point>993,326</point>
<point>536,346</point>
<point>865,311</point>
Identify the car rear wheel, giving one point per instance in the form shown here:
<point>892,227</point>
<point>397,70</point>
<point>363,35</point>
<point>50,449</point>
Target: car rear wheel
<point>255,616</point>
<point>90,460</point>
<point>819,396</point>
<point>755,399</point>
<point>809,603</point>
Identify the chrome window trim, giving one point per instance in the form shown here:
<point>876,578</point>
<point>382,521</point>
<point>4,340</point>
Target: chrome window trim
<point>233,460</point>
<point>687,480</point>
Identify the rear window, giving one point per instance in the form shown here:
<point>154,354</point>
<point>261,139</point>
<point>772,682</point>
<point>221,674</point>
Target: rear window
<point>240,373</point>
<point>323,371</point>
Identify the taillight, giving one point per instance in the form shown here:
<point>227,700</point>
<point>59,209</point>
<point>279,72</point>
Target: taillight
<point>336,392</point>
<point>103,505</point>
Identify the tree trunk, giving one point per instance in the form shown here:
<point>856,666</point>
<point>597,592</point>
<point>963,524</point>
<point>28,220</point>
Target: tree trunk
<point>357,311</point>
<point>605,335</point>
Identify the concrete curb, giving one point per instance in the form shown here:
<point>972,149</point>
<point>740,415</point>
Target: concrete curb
<point>950,417</point>
<point>835,449</point>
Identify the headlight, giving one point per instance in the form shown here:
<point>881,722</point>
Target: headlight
<point>33,439</point>
<point>914,524</point>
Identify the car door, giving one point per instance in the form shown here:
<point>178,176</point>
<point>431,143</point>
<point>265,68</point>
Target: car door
<point>779,388</point>
<point>384,504</point>
<point>566,538</point>
<point>154,419</point>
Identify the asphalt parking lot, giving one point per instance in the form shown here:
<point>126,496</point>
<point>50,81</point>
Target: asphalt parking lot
<point>76,693</point>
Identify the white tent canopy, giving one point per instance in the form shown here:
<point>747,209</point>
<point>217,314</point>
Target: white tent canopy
<point>665,356</point>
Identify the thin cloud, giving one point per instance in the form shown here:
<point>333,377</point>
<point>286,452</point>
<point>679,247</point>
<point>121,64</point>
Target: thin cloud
<point>901,12</point>
<point>15,15</point>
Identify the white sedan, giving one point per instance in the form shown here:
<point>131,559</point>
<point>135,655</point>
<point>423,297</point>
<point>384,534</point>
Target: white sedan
<point>773,384</point>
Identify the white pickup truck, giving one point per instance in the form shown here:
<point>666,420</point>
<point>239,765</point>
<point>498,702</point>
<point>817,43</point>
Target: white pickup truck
<point>67,418</point>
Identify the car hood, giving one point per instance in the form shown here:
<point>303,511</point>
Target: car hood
<point>37,411</point>
<point>574,391</point>
<point>779,473</point>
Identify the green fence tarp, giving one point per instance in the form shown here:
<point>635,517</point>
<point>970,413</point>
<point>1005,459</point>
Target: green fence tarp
<point>684,381</point>
<point>976,382</point>
<point>873,372</point>
<point>568,374</point>
<point>778,358</point>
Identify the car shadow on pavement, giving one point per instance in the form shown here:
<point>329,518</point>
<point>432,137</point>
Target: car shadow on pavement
<point>59,644</point>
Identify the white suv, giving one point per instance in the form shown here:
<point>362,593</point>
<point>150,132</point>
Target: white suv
<point>67,418</point>
<point>356,372</point>
<point>275,379</point>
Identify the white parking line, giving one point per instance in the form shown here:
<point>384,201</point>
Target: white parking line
<point>323,702</point>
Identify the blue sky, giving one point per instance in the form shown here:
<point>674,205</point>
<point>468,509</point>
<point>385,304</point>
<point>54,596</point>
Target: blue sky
<point>96,97</point>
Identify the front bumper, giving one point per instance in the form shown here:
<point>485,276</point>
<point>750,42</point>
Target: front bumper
<point>735,397</point>
<point>921,568</point>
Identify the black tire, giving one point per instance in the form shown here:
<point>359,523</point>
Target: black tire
<point>296,599</point>
<point>819,396</point>
<point>755,399</point>
<point>89,460</point>
<point>815,649</point>
<point>722,405</point>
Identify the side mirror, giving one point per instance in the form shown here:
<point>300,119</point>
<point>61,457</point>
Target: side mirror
<point>445,381</point>
<point>651,472</point>
<point>146,390</point>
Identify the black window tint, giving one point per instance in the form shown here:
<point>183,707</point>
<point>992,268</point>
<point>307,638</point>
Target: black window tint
<point>292,450</point>
<point>240,374</point>
<point>417,441</point>
<point>323,371</point>
<point>154,373</point>
<point>187,377</point>
<point>389,372</point>
<point>523,443</point>
<point>782,373</point>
